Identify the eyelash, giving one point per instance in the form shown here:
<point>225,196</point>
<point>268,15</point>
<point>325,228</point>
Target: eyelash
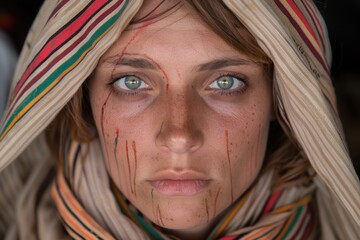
<point>235,91</point>
<point>218,91</point>
<point>116,91</point>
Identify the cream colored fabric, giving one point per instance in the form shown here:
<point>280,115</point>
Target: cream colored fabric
<point>308,112</point>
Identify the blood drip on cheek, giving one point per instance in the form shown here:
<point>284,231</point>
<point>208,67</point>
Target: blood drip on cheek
<point>229,162</point>
<point>102,124</point>
<point>156,210</point>
<point>152,200</point>
<point>207,209</point>
<point>116,141</point>
<point>102,115</point>
<point>215,201</point>
<point>159,216</point>
<point>129,169</point>
<point>135,160</point>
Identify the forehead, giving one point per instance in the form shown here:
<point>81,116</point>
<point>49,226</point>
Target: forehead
<point>175,29</point>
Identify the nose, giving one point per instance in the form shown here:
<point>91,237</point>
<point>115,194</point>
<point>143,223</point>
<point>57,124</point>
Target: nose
<point>180,132</point>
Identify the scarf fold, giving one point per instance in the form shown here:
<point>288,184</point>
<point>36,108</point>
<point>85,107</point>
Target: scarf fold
<point>92,208</point>
<point>297,44</point>
<point>66,36</point>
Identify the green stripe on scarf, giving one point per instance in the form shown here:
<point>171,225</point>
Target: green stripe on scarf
<point>146,226</point>
<point>67,65</point>
<point>298,213</point>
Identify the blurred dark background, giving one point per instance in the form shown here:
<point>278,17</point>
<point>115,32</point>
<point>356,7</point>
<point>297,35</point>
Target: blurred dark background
<point>342,18</point>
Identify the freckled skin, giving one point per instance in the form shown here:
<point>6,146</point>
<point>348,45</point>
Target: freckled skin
<point>116,141</point>
<point>207,210</point>
<point>215,200</point>
<point>135,162</point>
<point>179,124</point>
<point>129,167</point>
<point>152,202</point>
<point>102,119</point>
<point>229,161</point>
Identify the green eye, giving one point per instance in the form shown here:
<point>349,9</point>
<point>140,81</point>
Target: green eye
<point>227,83</point>
<point>130,83</point>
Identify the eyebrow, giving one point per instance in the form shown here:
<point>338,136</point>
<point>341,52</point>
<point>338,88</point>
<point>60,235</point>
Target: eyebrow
<point>221,63</point>
<point>133,62</point>
<point>212,65</point>
<point>137,63</point>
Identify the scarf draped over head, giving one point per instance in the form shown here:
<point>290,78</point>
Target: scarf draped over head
<point>68,38</point>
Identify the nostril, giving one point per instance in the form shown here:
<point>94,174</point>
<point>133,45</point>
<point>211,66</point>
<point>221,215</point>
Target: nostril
<point>179,140</point>
<point>180,143</point>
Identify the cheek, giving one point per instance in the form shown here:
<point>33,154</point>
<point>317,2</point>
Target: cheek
<point>122,141</point>
<point>121,158</point>
<point>248,152</point>
<point>117,150</point>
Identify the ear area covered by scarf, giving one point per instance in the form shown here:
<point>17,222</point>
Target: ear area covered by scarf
<point>294,35</point>
<point>62,48</point>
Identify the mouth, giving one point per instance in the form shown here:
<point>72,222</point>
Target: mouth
<point>179,184</point>
<point>171,187</point>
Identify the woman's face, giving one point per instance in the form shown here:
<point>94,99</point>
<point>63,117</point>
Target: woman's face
<point>183,119</point>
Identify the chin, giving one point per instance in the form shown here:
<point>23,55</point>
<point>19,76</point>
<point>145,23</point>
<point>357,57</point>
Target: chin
<point>183,217</point>
<point>181,212</point>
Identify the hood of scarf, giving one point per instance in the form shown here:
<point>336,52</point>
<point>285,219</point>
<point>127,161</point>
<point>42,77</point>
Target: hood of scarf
<point>68,38</point>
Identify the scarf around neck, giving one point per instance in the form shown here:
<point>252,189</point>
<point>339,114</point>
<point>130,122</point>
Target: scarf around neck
<point>92,208</point>
<point>68,38</point>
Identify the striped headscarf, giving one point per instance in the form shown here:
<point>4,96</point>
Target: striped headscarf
<point>68,38</point>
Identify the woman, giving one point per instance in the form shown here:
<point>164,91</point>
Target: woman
<point>163,119</point>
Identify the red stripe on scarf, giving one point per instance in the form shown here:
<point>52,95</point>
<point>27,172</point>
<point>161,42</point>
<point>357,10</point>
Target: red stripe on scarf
<point>62,37</point>
<point>302,34</point>
<point>58,7</point>
<point>65,36</point>
<point>317,23</point>
<point>65,52</point>
<point>271,202</point>
<point>300,15</point>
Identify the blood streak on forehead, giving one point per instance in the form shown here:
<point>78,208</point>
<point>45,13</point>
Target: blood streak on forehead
<point>158,66</point>
<point>125,51</point>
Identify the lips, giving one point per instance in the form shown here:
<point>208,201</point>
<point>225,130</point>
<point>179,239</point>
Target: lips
<point>179,184</point>
<point>179,187</point>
